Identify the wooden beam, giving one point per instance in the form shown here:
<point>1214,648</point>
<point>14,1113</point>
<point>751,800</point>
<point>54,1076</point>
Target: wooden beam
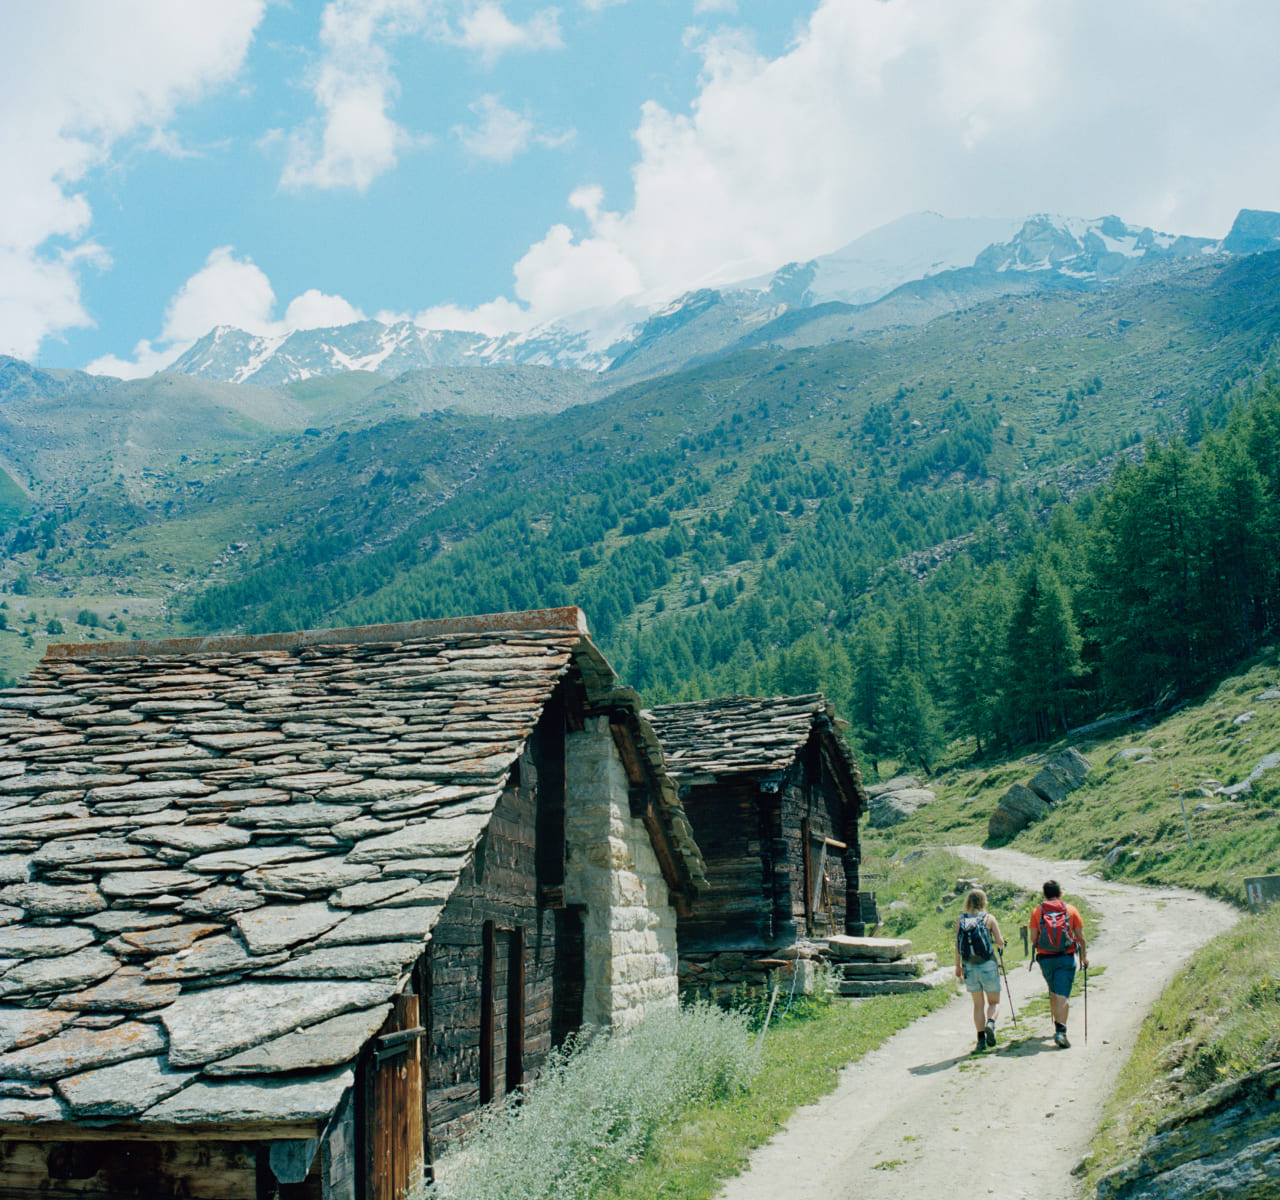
<point>637,776</point>
<point>488,956</point>
<point>808,876</point>
<point>223,1131</point>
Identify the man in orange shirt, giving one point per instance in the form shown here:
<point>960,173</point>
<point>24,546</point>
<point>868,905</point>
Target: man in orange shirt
<point>1057,933</point>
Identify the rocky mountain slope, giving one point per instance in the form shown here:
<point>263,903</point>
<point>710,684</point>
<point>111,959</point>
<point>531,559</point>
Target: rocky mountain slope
<point>939,264</point>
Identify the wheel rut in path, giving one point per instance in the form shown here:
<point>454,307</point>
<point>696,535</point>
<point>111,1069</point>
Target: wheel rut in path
<point>922,1117</point>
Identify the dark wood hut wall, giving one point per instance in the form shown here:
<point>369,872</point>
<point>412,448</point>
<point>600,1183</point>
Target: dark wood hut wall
<point>753,831</point>
<point>501,986</point>
<point>813,816</point>
<point>739,842</point>
<point>114,1169</point>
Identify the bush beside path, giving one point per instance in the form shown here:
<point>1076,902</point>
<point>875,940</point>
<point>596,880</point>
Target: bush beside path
<point>923,1116</point>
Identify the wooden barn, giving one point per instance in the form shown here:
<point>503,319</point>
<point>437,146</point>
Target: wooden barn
<point>774,797</point>
<point>278,913</point>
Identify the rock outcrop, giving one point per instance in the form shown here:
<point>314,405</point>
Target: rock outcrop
<point>1026,803</point>
<point>1225,1144</point>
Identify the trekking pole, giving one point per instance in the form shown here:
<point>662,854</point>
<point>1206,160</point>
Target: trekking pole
<point>1007,988</point>
<point>1086,1004</point>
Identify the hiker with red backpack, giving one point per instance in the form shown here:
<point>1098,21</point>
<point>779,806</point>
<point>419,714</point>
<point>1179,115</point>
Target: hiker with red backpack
<point>977,939</point>
<point>1057,938</point>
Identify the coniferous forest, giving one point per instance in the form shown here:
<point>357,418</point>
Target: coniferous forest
<point>975,532</point>
<point>1027,612</point>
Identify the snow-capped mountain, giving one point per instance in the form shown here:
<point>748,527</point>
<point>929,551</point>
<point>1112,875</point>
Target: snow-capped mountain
<point>912,247</point>
<point>973,258</point>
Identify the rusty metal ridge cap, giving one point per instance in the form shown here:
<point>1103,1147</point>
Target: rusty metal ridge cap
<point>569,619</point>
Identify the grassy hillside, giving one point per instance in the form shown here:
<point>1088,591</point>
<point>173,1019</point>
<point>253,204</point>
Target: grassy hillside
<point>1128,816</point>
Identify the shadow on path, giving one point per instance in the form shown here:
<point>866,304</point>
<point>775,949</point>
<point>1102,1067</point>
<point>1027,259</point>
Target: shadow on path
<point>1018,1047</point>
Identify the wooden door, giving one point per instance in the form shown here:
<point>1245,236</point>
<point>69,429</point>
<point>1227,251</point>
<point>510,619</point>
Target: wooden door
<point>393,1104</point>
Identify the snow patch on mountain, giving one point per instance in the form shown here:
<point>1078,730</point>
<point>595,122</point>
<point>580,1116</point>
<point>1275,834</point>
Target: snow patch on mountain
<point>912,247</point>
<point>921,246</point>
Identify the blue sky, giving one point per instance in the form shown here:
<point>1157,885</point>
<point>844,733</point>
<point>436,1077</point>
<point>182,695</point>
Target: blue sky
<point>493,164</point>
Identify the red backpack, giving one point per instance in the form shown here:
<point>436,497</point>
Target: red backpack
<point>1054,934</point>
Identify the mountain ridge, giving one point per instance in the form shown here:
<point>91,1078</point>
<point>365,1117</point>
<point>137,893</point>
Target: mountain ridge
<point>954,261</point>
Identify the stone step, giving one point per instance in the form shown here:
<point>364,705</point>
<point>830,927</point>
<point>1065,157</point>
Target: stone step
<point>877,949</point>
<point>885,987</point>
<point>919,964</point>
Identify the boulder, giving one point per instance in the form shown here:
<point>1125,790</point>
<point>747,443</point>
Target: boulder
<point>1060,776</point>
<point>1132,754</point>
<point>1017,809</point>
<point>899,783</point>
<point>889,808</point>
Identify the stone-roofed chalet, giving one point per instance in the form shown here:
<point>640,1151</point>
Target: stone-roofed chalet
<point>774,796</point>
<point>278,913</point>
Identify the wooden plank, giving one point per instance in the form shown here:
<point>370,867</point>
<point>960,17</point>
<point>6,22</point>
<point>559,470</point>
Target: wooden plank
<point>487,1016</point>
<point>666,859</point>
<point>808,873</point>
<point>249,1131</point>
<point>515,1011</point>
<point>423,976</point>
<point>109,1170</point>
<point>394,1118</point>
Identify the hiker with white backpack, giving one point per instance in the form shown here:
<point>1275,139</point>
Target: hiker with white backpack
<point>1057,939</point>
<point>978,938</point>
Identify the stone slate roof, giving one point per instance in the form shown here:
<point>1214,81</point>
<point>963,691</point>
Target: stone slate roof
<point>736,735</point>
<point>220,858</point>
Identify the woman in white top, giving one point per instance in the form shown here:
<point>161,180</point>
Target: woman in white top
<point>981,975</point>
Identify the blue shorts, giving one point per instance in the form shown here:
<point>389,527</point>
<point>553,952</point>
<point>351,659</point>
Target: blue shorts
<point>982,977</point>
<point>1059,971</point>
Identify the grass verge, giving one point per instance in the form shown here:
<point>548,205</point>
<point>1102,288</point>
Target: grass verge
<point>1218,1019</point>
<point>799,1064</point>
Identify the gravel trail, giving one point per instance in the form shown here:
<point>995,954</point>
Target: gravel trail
<point>922,1117</point>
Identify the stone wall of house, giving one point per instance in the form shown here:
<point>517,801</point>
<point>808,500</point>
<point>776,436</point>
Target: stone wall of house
<point>612,872</point>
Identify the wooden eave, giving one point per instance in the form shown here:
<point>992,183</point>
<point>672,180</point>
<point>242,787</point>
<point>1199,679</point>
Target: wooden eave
<point>135,1131</point>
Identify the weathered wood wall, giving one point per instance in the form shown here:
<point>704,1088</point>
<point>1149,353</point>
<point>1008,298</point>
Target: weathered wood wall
<point>752,833</point>
<point>492,931</point>
<point>810,801</point>
<point>109,1169</point>
<point>738,837</point>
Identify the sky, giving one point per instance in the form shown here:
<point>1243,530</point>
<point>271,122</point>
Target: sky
<point>496,164</point>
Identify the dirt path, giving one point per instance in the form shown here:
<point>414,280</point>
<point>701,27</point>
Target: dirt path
<point>921,1117</point>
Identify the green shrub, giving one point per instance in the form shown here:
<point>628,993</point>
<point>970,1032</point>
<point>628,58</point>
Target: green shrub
<point>597,1108</point>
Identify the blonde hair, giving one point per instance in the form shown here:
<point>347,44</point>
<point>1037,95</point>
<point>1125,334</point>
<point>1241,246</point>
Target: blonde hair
<point>975,901</point>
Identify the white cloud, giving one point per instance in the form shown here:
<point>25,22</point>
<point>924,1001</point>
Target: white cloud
<point>355,138</point>
<point>493,318</point>
<point>80,76</point>
<point>504,133</point>
<point>488,31</point>
<point>226,291</point>
<point>1149,110</point>
<point>708,6</point>
<point>316,310</point>
<point>501,134</point>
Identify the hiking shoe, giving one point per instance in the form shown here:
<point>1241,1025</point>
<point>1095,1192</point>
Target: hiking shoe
<point>990,1033</point>
<point>1060,1039</point>
<point>982,1043</point>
